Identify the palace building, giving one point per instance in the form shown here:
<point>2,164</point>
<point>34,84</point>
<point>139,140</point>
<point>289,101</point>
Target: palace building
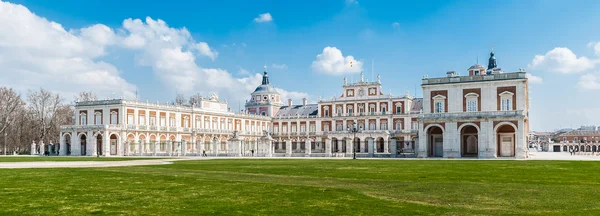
<point>480,115</point>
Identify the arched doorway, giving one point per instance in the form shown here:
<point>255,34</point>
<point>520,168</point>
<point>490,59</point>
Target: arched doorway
<point>334,144</point>
<point>357,146</point>
<point>113,144</point>
<point>68,144</point>
<point>594,148</point>
<point>99,144</point>
<point>380,145</point>
<point>83,142</point>
<point>435,136</point>
<point>469,141</point>
<point>505,136</point>
<point>564,148</point>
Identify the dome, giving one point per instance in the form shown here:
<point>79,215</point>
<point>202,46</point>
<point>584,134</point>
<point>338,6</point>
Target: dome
<point>477,66</point>
<point>265,88</point>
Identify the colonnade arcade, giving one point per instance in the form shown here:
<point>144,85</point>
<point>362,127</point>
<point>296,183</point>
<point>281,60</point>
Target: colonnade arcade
<point>469,142</point>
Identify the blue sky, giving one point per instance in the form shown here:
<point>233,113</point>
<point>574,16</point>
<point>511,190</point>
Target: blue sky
<point>406,40</point>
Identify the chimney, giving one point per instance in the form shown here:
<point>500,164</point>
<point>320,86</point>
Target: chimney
<point>289,102</point>
<point>304,101</point>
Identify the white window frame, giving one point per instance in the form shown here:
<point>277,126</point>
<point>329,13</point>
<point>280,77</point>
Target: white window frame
<point>142,119</point>
<point>97,118</point>
<point>114,117</point>
<point>506,102</point>
<point>472,102</point>
<point>439,104</point>
<point>83,119</point>
<point>130,119</point>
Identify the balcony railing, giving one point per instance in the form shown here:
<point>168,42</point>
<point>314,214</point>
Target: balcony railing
<point>484,114</point>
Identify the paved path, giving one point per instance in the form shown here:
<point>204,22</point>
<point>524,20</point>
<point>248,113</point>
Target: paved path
<point>80,164</point>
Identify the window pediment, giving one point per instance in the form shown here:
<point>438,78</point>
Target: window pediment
<point>439,97</point>
<point>506,93</point>
<point>471,95</point>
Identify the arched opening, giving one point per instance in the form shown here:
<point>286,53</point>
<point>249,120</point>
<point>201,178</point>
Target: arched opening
<point>380,145</point>
<point>356,144</point>
<point>594,149</point>
<point>130,145</point>
<point>469,141</point>
<point>82,141</point>
<point>506,141</point>
<point>99,144</point>
<point>163,144</point>
<point>334,144</point>
<point>113,144</point>
<point>435,136</point>
<point>145,147</point>
<point>588,148</point>
<point>152,143</point>
<point>564,148</point>
<point>68,144</point>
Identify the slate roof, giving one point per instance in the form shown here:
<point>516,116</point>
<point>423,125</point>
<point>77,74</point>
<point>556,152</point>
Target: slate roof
<point>301,110</point>
<point>581,133</point>
<point>417,105</point>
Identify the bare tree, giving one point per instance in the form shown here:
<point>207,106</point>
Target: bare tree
<point>179,100</point>
<point>10,102</point>
<point>194,99</point>
<point>44,106</point>
<point>86,96</point>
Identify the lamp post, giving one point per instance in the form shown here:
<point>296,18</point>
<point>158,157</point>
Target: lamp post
<point>353,130</point>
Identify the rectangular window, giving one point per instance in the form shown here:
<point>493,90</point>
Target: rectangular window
<point>398,109</point>
<point>383,126</point>
<point>326,128</point>
<point>130,119</point>
<point>326,112</point>
<point>472,105</point>
<point>83,120</point>
<point>506,104</point>
<point>163,121</point>
<point>113,118</point>
<point>142,120</point>
<point>153,120</point>
<point>171,122</point>
<point>398,126</point>
<point>98,119</point>
<point>439,107</point>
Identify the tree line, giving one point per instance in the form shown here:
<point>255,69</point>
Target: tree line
<point>34,117</point>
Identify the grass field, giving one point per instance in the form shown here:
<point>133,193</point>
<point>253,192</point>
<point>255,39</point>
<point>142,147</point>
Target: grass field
<point>308,187</point>
<point>58,158</point>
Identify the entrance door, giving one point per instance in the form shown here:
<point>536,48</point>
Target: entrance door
<point>438,143</point>
<point>506,146</point>
<point>113,146</point>
<point>472,145</point>
<point>556,149</point>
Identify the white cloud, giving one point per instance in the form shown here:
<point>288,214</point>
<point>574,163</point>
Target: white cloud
<point>266,17</point>
<point>595,46</point>
<point>562,60</point>
<point>589,82</point>
<point>351,2</point>
<point>205,50</point>
<point>173,62</point>
<point>36,52</point>
<point>331,61</point>
<point>395,25</point>
<point>534,79</point>
<point>280,66</point>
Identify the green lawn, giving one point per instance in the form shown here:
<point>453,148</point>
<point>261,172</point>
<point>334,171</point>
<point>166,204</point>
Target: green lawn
<point>308,187</point>
<point>57,158</point>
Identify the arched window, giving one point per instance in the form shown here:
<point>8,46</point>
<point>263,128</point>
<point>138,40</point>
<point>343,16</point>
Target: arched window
<point>114,117</point>
<point>98,118</point>
<point>82,119</point>
<point>472,105</point>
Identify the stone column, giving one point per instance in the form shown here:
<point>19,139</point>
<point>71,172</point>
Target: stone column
<point>328,146</point>
<point>154,148</point>
<point>288,149</point>
<point>394,147</point>
<point>62,151</point>
<point>141,146</point>
<point>184,147</point>
<point>422,145</point>
<point>106,144</point>
<point>386,148</point>
<point>349,146</point>
<point>75,144</point>
<point>307,145</point>
<point>371,146</point>
<point>200,147</point>
<point>169,147</point>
